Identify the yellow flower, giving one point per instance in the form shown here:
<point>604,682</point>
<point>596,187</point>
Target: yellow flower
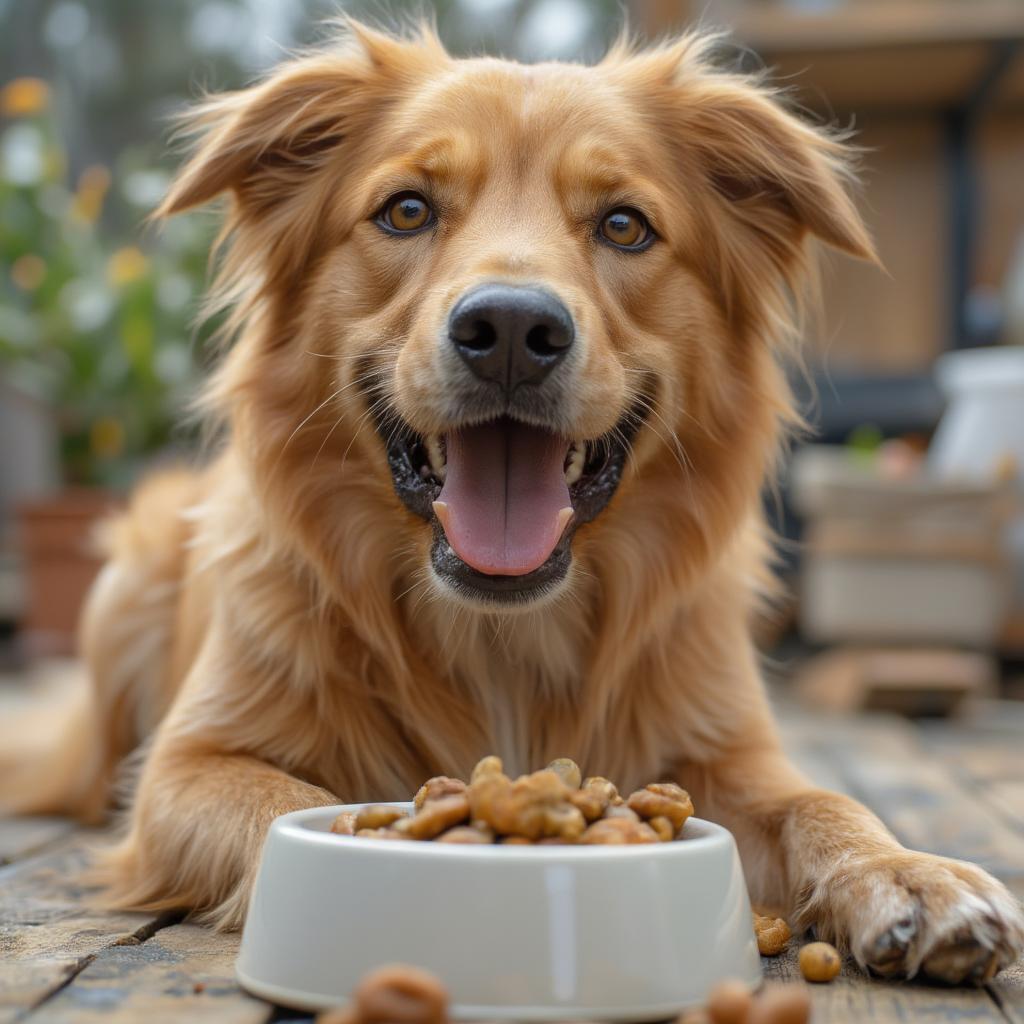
<point>126,265</point>
<point>24,96</point>
<point>92,189</point>
<point>28,271</point>
<point>106,437</point>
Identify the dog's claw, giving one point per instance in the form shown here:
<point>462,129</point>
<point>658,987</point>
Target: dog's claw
<point>887,955</point>
<point>991,969</point>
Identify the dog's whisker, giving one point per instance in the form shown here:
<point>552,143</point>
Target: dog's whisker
<point>451,629</point>
<point>291,437</point>
<point>337,423</point>
<point>360,424</point>
<point>674,445</point>
<point>333,396</point>
<point>419,580</point>
<point>340,418</point>
<point>423,592</point>
<point>395,428</point>
<point>381,356</point>
<point>672,441</point>
<point>678,450</point>
<point>641,396</point>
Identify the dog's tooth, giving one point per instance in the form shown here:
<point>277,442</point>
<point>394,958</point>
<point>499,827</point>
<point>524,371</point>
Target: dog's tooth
<point>436,456</point>
<point>575,463</point>
<point>441,511</point>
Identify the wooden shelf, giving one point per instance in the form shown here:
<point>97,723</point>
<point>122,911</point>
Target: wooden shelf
<point>896,56</point>
<point>937,77</point>
<point>869,55</point>
<point>873,24</point>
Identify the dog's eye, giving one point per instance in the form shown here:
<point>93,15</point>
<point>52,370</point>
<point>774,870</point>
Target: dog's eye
<point>626,228</point>
<point>405,213</point>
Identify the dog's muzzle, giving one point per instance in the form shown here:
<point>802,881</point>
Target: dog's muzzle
<point>506,484</point>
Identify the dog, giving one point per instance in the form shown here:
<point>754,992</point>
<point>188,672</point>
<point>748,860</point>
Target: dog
<point>504,383</point>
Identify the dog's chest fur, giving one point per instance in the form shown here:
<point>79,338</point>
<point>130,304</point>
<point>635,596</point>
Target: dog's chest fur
<point>519,672</point>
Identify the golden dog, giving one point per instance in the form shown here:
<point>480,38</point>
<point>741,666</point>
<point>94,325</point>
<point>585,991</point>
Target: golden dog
<point>503,390</point>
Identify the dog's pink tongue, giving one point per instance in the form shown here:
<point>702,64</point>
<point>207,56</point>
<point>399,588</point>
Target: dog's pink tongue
<point>505,501</point>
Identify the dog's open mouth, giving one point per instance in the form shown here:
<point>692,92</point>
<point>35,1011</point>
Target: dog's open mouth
<point>505,498</point>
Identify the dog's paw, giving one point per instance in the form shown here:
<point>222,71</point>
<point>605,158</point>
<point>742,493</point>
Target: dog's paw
<point>904,914</point>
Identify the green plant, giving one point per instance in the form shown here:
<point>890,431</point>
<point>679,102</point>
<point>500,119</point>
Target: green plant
<point>97,328</point>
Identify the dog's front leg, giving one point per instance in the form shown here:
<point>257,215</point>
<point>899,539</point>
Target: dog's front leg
<point>840,871</point>
<point>207,792</point>
<point>197,828</point>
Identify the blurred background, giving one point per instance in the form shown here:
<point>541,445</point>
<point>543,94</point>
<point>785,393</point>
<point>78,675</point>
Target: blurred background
<point>907,587</point>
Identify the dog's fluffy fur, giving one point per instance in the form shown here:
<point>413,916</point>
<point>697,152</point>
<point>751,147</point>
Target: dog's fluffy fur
<point>270,630</point>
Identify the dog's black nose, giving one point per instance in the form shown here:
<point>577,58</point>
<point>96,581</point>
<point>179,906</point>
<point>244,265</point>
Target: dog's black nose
<point>510,335</point>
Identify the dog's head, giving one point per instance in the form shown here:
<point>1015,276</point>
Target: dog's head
<point>510,292</point>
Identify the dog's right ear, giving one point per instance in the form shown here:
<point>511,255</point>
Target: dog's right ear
<point>263,142</point>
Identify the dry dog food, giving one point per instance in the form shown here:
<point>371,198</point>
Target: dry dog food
<point>397,993</point>
<point>772,935</point>
<point>401,994</point>
<point>781,1004</point>
<point>819,961</point>
<point>731,1002</point>
<point>553,806</point>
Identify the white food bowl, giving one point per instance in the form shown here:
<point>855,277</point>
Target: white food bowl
<point>514,932</point>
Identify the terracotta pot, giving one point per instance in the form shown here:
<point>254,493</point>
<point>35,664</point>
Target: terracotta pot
<point>61,559</point>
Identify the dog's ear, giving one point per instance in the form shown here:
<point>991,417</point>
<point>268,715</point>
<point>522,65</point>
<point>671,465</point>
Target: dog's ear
<point>254,140</point>
<point>779,175</point>
<point>767,163</point>
<point>265,141</point>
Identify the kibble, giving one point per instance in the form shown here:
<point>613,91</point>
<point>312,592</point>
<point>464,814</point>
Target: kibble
<point>567,770</point>
<point>591,804</point>
<point>729,1003</point>
<point>772,933</point>
<point>662,799</point>
<point>378,816</point>
<point>622,811</point>
<point>396,994</point>
<point>555,805</point>
<point>378,833</point>
<point>605,787</point>
<point>781,1004</point>
<point>466,835</point>
<point>618,832</point>
<point>436,788</point>
<point>564,822</point>
<point>344,824</point>
<point>487,766</point>
<point>435,817</point>
<point>663,828</point>
<point>820,962</point>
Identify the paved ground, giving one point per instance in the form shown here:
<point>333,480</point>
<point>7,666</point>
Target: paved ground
<point>954,789</point>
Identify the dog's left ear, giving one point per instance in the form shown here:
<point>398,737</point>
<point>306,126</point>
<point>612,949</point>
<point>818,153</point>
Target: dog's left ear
<point>767,163</point>
<point>780,176</point>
